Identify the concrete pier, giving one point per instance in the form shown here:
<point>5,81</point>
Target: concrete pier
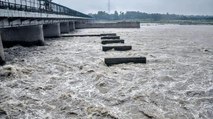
<point>104,42</point>
<point>52,30</point>
<point>114,61</point>
<point>25,36</point>
<point>116,48</point>
<point>65,27</point>
<point>2,58</point>
<point>110,37</point>
<point>72,25</point>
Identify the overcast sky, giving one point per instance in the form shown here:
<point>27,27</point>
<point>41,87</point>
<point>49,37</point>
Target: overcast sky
<point>186,7</point>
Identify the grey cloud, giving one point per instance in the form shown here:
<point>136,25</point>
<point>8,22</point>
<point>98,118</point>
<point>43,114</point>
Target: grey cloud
<point>188,7</point>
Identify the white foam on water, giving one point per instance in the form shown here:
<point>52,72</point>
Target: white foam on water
<point>68,77</point>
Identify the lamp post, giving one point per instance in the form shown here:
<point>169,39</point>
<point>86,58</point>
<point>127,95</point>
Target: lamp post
<point>109,6</point>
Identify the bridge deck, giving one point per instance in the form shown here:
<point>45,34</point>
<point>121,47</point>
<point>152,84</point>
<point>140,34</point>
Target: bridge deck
<point>33,12</point>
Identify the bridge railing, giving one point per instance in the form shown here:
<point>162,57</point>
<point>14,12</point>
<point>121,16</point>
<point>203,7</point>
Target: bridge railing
<point>41,6</point>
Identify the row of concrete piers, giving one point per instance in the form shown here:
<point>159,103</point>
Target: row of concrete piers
<point>31,35</point>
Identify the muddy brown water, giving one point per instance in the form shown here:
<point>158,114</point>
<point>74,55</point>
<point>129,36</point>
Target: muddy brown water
<point>67,78</point>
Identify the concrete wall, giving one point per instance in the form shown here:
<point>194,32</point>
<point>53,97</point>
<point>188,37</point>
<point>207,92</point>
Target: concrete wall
<point>65,27</point>
<point>25,36</point>
<point>2,58</point>
<point>72,25</point>
<point>52,30</point>
<point>80,25</point>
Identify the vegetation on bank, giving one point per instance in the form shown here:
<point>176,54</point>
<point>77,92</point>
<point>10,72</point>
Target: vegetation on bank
<point>153,18</point>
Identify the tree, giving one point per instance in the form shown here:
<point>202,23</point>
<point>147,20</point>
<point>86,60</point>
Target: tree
<point>116,15</point>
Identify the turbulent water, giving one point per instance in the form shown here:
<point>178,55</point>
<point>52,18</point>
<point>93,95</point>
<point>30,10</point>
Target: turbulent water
<point>67,78</point>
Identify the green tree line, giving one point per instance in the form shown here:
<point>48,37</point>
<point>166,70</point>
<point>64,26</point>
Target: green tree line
<point>136,15</point>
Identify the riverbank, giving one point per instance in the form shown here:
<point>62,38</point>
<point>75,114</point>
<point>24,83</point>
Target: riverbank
<point>181,22</point>
<point>178,22</point>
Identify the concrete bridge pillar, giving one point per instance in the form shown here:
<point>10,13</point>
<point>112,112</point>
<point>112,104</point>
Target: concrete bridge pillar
<point>2,58</point>
<point>25,36</point>
<point>52,30</point>
<point>78,25</point>
<point>65,27</point>
<point>72,25</point>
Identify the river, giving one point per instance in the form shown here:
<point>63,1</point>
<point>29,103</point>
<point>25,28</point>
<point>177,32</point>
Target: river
<point>67,78</point>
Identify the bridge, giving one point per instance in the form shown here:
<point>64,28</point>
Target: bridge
<point>28,22</point>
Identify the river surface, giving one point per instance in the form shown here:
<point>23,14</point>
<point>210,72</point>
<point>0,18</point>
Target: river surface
<point>67,78</point>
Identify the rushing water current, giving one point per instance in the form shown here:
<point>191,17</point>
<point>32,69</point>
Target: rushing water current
<point>67,78</point>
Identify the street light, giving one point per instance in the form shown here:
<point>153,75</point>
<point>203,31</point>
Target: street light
<point>109,6</point>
